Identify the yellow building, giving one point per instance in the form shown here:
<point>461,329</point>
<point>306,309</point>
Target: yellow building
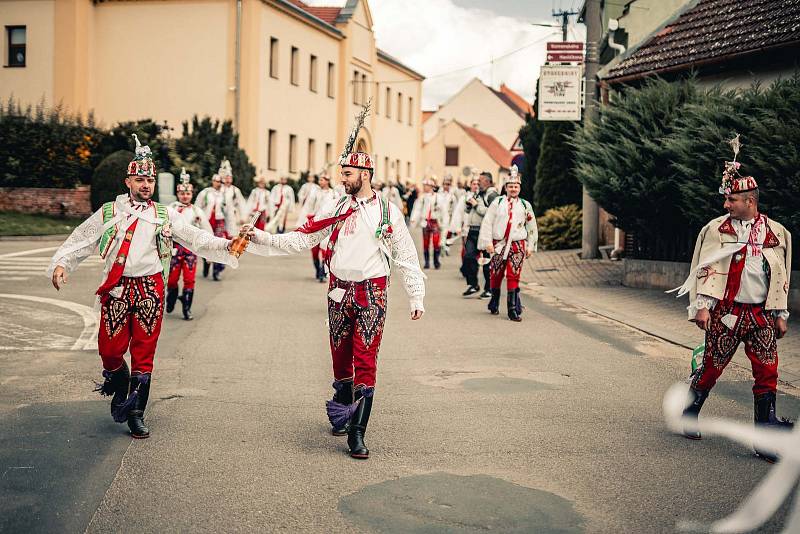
<point>291,76</point>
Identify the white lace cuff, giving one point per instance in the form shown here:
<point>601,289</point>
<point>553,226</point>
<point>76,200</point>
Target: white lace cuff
<point>416,304</point>
<point>700,303</point>
<point>782,314</point>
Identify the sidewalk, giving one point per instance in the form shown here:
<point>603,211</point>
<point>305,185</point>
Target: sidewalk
<point>595,286</point>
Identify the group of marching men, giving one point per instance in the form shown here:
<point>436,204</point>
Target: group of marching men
<point>497,231</point>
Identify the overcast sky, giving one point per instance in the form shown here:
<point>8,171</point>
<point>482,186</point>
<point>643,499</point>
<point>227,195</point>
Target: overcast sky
<point>453,41</point>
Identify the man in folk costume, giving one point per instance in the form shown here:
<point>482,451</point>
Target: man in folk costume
<point>476,206</point>
<point>305,197</point>
<point>184,261</point>
<point>367,236</point>
<point>258,201</point>
<point>323,198</point>
<point>459,227</point>
<point>391,193</point>
<point>135,238</point>
<point>235,206</point>
<point>281,201</point>
<point>430,213</point>
<point>212,202</point>
<point>447,198</point>
<point>738,289</point>
<point>509,233</point>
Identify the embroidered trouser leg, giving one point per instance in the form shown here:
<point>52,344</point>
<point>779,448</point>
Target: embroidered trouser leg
<point>132,321</point>
<point>218,226</point>
<point>756,328</point>
<point>316,253</point>
<point>189,270</point>
<point>356,329</point>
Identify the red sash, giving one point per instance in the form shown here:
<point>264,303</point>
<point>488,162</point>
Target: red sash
<point>508,225</point>
<point>115,274</point>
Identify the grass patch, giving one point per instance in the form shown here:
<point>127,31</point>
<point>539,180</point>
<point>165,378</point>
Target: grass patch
<point>13,223</point>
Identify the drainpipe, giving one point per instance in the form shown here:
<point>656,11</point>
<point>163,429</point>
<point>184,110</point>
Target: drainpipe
<point>613,26</point>
<point>237,64</point>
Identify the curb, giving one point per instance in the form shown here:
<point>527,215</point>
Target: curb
<point>49,237</point>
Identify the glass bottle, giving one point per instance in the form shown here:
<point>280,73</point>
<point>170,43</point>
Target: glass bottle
<point>241,241</point>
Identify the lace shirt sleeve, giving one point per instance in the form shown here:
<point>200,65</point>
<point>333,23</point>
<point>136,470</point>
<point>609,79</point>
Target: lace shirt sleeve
<point>201,242</point>
<point>701,302</point>
<point>404,255</point>
<point>80,244</point>
<point>268,244</point>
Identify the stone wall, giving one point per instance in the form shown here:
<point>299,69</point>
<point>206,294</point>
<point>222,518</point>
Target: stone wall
<point>58,202</point>
<point>669,275</point>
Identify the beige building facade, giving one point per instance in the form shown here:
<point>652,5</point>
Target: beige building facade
<point>291,76</point>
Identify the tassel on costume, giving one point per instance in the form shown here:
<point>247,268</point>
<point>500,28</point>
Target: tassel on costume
<point>120,413</point>
<point>105,389</point>
<point>339,414</point>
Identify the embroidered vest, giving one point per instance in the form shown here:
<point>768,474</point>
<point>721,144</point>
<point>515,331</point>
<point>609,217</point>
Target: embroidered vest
<point>163,243</point>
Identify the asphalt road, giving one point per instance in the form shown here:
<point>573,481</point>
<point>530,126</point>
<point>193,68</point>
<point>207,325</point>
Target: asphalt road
<point>550,425</point>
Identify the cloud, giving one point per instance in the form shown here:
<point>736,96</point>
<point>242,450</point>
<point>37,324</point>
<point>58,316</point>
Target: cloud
<point>450,45</point>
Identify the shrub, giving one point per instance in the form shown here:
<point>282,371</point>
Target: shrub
<point>556,184</point>
<point>108,179</point>
<point>560,228</point>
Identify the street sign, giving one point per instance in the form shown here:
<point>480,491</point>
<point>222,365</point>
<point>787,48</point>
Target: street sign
<point>565,57</point>
<point>565,46</point>
<point>560,93</point>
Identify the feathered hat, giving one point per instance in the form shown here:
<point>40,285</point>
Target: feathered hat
<point>142,164</point>
<point>184,184</point>
<point>359,160</point>
<point>430,180</point>
<point>732,181</point>
<point>260,178</point>
<point>225,169</point>
<point>514,177</point>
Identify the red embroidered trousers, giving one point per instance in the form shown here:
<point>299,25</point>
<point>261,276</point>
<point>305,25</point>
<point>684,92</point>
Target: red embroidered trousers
<point>356,329</point>
<point>184,262</point>
<point>510,268</point>
<point>431,232</point>
<point>132,321</point>
<point>756,328</point>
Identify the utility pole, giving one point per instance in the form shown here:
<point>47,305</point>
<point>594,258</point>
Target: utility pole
<point>591,212</point>
<point>564,15</point>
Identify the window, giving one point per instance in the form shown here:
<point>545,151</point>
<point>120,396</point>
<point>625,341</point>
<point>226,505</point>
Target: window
<point>331,79</point>
<point>328,154</point>
<point>272,139</point>
<point>397,168</point>
<point>364,89</point>
<point>408,170</point>
<point>294,75</point>
<point>411,112</point>
<point>292,153</point>
<point>17,40</point>
<point>273,57</point>
<point>451,156</point>
<point>356,89</point>
<point>399,107</point>
<point>386,167</point>
<point>388,102</point>
<point>312,161</point>
<point>377,94</point>
<point>312,74</point>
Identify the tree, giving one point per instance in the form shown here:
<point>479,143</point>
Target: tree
<point>530,136</point>
<point>108,179</point>
<point>556,184</point>
<point>203,146</point>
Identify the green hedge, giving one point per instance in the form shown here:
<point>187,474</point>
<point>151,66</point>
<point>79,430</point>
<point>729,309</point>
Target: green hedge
<point>654,159</point>
<point>560,228</point>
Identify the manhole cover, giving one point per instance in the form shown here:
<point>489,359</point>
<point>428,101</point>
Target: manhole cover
<point>441,502</point>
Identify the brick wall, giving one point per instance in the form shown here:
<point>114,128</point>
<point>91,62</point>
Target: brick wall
<point>71,202</point>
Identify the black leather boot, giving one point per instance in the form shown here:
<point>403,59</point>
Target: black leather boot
<point>764,415</point>
<point>519,302</point>
<point>693,410</point>
<point>316,268</point>
<point>358,426</point>
<point>427,256</point>
<point>186,301</point>
<point>436,263</point>
<point>140,384</point>
<point>494,302</point>
<point>511,302</point>
<point>116,384</point>
<point>172,297</point>
<point>343,395</point>
<point>206,266</point>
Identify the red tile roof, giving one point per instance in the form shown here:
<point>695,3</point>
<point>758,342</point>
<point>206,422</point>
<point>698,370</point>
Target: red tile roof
<point>427,115</point>
<point>327,14</point>
<point>490,145</point>
<point>710,32</point>
<point>519,102</point>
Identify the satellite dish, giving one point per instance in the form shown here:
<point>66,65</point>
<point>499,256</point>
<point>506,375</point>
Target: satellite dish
<point>466,171</point>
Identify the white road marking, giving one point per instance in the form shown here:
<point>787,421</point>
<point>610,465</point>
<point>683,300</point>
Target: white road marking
<point>28,252</point>
<point>88,338</point>
<point>13,278</point>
